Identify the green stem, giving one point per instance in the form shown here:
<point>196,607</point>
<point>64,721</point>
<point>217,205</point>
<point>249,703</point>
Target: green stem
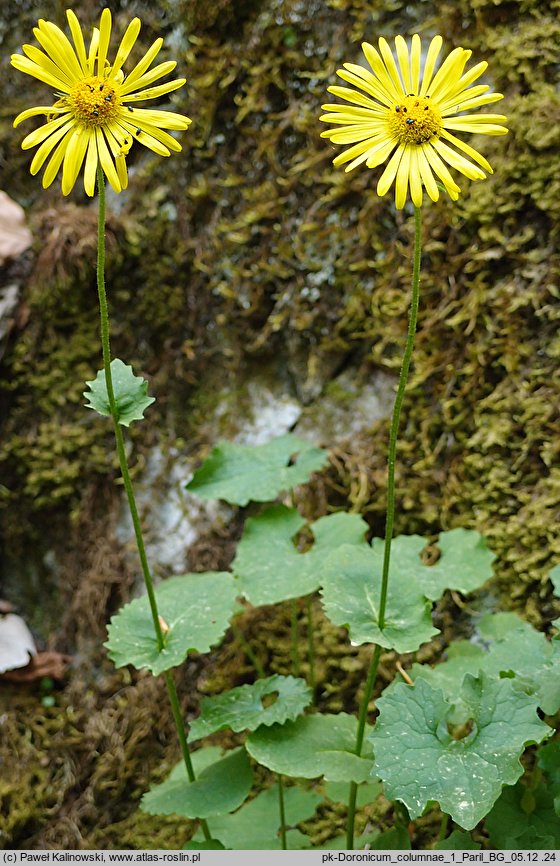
<point>178,719</point>
<point>240,637</point>
<point>390,520</point>
<point>391,458</point>
<point>282,813</point>
<point>311,645</point>
<point>362,718</point>
<point>121,451</point>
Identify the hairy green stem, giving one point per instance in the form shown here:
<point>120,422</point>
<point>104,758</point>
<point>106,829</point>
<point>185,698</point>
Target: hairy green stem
<point>123,462</point>
<point>403,378</point>
<point>390,519</point>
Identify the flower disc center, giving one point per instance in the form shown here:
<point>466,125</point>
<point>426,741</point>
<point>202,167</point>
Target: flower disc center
<point>94,101</point>
<point>415,119</point>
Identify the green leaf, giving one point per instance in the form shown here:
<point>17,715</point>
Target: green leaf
<point>131,393</point>
<point>242,708</point>
<point>243,473</point>
<point>465,564</point>
<point>351,591</point>
<point>533,659</point>
<point>268,565</point>
<point>514,649</point>
<point>555,578</point>
<point>196,608</point>
<point>312,746</point>
<point>256,825</point>
<point>222,784</point>
<point>513,823</point>
<point>458,841</point>
<point>419,760</point>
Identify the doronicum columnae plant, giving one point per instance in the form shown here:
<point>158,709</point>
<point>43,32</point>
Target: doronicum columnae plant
<point>454,741</point>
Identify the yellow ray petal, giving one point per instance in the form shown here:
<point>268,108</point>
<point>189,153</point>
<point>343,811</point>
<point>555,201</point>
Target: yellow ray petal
<point>73,158</point>
<point>468,104</point>
<point>381,152</point>
<point>44,62</point>
<point>90,167</point>
<point>106,160</point>
<point>457,161</point>
<point>43,132</point>
<point>145,62</point>
<point>355,98</point>
<point>149,138</point>
<point>415,178</point>
<point>466,148</point>
<point>415,57</point>
<point>426,174</point>
<point>104,37</point>
<point>153,92</point>
<point>393,93</point>
<point>391,66</point>
<point>449,71</point>
<point>127,43</point>
<point>162,119</point>
<point>374,155</point>
<point>55,162</point>
<point>78,38</point>
<point>57,44</point>
<point>388,175</point>
<point>148,77</point>
<point>431,57</point>
<point>404,63</point>
<point>475,128</point>
<point>39,109</point>
<point>362,82</point>
<point>401,181</point>
<point>441,170</point>
<point>48,146</point>
<point>30,68</point>
<point>93,46</point>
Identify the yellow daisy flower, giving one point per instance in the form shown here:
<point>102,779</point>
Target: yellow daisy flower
<point>399,114</point>
<point>95,118</point>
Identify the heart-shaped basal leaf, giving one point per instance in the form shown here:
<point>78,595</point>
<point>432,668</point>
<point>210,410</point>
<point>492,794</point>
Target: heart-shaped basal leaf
<point>256,825</point>
<point>243,709</point>
<point>465,563</point>
<point>195,607</point>
<point>243,473</point>
<point>221,786</point>
<point>131,393</point>
<point>351,592</point>
<point>514,649</point>
<point>268,565</point>
<point>524,818</point>
<point>312,746</point>
<point>420,760</point>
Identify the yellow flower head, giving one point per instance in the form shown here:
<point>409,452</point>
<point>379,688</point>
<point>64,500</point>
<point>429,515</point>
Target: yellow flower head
<point>95,118</point>
<point>399,114</point>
